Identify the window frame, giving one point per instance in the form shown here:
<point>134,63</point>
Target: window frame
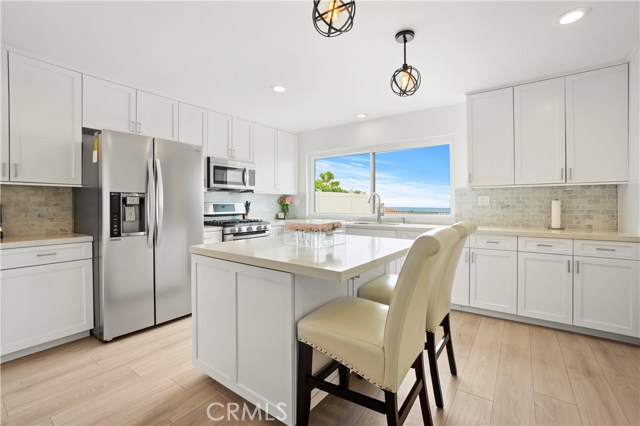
<point>424,142</point>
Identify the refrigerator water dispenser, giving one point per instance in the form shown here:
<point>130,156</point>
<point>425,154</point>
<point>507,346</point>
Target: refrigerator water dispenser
<point>127,214</point>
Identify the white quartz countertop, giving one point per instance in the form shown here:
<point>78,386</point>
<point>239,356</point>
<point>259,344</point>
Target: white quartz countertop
<point>338,263</point>
<point>575,234</point>
<point>19,241</point>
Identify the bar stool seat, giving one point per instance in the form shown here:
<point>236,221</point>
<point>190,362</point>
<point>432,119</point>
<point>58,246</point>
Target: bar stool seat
<point>379,342</point>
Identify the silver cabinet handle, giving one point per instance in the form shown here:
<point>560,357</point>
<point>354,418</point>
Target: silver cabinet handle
<point>561,173</point>
<point>46,254</point>
<point>569,266</point>
<point>577,266</point>
<point>133,126</point>
<point>159,202</point>
<point>469,177</point>
<point>15,169</point>
<point>473,257</point>
<point>605,249</point>
<point>544,245</point>
<point>493,242</point>
<point>149,228</point>
<point>139,129</point>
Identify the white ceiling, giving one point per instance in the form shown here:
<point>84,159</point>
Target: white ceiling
<point>226,55</point>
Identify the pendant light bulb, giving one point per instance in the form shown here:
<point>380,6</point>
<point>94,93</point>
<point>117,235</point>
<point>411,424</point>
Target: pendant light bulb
<point>333,17</point>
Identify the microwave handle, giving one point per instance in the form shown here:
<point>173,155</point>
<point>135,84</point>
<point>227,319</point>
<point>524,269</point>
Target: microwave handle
<point>245,176</point>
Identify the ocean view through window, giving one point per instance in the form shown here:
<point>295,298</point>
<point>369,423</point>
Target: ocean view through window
<point>414,181</point>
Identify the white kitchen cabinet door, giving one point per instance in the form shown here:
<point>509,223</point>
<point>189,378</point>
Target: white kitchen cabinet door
<point>45,123</point>
<point>490,134</point>
<point>606,295</point>
<point>265,139</point>
<point>287,163</point>
<point>218,135</point>
<point>107,105</point>
<point>597,125</point>
<point>494,280</point>
<point>157,116</point>
<point>545,287</point>
<point>44,303</point>
<point>4,110</point>
<point>460,290</point>
<point>192,124</point>
<point>242,140</point>
<point>539,132</point>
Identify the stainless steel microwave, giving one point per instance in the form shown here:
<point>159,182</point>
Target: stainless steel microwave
<point>225,175</point>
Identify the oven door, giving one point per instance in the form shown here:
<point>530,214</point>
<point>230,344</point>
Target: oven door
<point>224,175</point>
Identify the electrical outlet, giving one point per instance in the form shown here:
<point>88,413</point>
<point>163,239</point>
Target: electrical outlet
<point>483,200</point>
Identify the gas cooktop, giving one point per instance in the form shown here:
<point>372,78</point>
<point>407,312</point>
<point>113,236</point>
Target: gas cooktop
<point>234,222</point>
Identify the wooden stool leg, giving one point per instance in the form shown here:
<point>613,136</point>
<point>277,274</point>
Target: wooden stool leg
<point>344,373</point>
<point>305,354</point>
<point>424,399</point>
<point>391,406</point>
<point>433,366</point>
<point>452,359</point>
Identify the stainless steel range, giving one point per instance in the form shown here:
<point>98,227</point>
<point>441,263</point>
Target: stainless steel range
<point>234,227</point>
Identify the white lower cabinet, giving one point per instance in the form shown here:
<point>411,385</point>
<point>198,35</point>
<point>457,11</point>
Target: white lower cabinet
<point>493,280</point>
<point>606,295</point>
<point>460,290</point>
<point>545,287</point>
<point>44,303</point>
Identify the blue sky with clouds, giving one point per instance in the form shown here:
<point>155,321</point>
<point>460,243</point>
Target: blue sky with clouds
<point>417,177</point>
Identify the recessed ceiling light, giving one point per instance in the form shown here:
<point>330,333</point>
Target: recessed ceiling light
<point>361,115</point>
<point>573,15</point>
<point>277,88</point>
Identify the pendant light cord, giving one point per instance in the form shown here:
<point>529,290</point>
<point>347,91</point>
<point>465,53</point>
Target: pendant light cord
<point>404,38</point>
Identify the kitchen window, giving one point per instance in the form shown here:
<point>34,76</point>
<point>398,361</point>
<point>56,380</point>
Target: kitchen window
<point>412,181</point>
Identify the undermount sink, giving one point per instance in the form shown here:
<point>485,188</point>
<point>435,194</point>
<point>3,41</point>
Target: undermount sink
<point>373,223</point>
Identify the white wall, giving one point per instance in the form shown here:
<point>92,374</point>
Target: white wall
<point>449,120</point>
<point>629,195</point>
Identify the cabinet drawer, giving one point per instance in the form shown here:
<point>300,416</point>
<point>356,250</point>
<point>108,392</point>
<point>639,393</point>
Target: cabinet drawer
<point>545,245</point>
<point>608,249</point>
<point>494,242</point>
<point>43,255</point>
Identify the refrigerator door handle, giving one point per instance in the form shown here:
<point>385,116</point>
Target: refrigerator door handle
<point>159,202</point>
<point>149,228</point>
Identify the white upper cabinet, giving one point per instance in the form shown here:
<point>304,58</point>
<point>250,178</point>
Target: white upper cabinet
<point>157,116</point>
<point>218,135</point>
<point>490,133</point>
<point>265,140</point>
<point>597,125</point>
<point>45,122</point>
<point>242,140</point>
<point>539,132</point>
<point>287,163</point>
<point>107,105</point>
<point>192,126</point>
<point>4,110</point>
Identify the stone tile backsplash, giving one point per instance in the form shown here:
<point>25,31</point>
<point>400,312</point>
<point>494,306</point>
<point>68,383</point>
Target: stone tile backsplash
<point>587,207</point>
<point>36,210</point>
<point>262,206</point>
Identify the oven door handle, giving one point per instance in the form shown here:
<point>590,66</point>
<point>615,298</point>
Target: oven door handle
<point>249,236</point>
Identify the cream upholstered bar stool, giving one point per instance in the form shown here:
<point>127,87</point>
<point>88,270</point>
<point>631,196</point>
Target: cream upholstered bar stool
<point>379,342</point>
<point>381,290</point>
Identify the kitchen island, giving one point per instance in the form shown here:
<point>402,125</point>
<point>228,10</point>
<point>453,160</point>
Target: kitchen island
<point>247,297</point>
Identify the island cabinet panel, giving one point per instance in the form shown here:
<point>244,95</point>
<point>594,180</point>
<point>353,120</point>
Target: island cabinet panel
<point>460,290</point>
<point>214,314</point>
<point>264,311</point>
<point>493,280</point>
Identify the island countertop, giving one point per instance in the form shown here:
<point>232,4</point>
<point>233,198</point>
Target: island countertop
<point>339,263</point>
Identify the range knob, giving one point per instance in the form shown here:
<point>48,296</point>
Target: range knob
<point>249,229</point>
<point>232,230</point>
<point>258,228</point>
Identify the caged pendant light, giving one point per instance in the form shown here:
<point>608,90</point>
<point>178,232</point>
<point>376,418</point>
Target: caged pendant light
<point>405,80</point>
<point>333,17</point>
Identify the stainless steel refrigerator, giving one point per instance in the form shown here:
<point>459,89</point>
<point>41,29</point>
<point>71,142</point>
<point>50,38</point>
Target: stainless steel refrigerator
<point>141,199</point>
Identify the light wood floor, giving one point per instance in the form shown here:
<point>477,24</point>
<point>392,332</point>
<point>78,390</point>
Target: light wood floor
<point>508,374</point>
